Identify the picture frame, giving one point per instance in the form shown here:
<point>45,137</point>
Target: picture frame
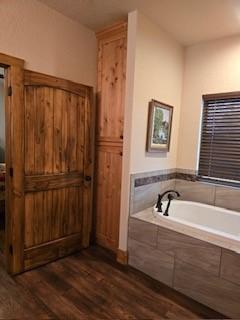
<point>159,127</point>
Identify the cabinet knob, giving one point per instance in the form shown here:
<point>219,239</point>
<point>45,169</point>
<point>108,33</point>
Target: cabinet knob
<point>121,136</point>
<point>88,178</point>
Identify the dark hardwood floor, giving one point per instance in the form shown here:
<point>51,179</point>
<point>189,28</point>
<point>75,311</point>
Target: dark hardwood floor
<point>90,285</point>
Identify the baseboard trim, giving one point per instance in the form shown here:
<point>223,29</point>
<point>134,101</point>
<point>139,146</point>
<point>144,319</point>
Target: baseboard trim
<point>106,243</point>
<point>122,257</point>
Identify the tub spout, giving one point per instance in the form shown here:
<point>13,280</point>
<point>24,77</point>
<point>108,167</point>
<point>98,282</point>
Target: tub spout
<point>170,198</point>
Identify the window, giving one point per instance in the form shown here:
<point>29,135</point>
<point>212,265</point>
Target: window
<point>220,139</point>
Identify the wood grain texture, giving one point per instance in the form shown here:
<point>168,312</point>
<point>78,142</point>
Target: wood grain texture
<point>10,61</point>
<point>14,244</point>
<point>191,250</point>
<point>116,29</point>
<point>107,206</point>
<point>58,145</point>
<point>50,215</point>
<point>17,302</point>
<point>8,181</point>
<point>52,181</point>
<point>89,125</point>
<point>44,253</point>
<point>90,285</point>
<point>111,88</point>
<point>122,257</point>
<point>112,52</point>
<point>43,80</point>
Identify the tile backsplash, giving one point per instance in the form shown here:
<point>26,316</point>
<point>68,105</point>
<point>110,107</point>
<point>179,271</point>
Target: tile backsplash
<point>227,197</point>
<point>195,191</point>
<point>145,188</point>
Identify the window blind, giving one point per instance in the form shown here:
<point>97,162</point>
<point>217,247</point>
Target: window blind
<point>220,138</point>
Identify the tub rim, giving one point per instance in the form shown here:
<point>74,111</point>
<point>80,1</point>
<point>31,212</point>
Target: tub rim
<point>201,232</point>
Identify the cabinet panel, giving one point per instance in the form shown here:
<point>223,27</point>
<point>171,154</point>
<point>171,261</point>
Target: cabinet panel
<point>108,189</point>
<point>112,44</point>
<point>111,87</point>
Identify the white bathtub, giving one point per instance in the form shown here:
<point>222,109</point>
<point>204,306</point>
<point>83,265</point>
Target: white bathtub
<point>208,223</point>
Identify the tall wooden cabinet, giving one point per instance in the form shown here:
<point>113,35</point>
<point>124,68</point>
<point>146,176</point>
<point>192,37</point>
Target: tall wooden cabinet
<point>112,50</point>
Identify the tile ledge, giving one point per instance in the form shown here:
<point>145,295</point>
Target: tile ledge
<point>195,231</point>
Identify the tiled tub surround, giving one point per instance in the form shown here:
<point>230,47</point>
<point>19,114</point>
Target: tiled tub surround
<point>204,271</point>
<point>216,195</point>
<point>201,270</point>
<point>145,188</point>
<point>204,222</point>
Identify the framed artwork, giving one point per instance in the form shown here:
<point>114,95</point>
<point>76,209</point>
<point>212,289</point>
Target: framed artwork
<point>159,127</point>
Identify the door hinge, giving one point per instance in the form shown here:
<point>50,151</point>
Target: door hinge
<point>11,249</point>
<point>10,91</point>
<point>11,172</point>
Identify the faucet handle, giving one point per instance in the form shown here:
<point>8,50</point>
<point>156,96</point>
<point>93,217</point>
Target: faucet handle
<point>159,203</point>
<point>170,196</point>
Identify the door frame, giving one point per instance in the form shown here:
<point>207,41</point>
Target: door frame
<point>14,155</point>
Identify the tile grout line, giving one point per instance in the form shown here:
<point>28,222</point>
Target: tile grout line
<point>220,265</point>
<point>215,192</point>
<point>174,270</point>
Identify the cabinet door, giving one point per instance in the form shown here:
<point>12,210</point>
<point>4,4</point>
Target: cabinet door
<point>111,88</point>
<point>108,189</point>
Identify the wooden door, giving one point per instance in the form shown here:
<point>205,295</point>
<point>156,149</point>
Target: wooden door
<point>112,48</point>
<point>57,168</point>
<point>108,179</point>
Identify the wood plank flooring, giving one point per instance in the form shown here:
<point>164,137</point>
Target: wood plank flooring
<point>90,285</point>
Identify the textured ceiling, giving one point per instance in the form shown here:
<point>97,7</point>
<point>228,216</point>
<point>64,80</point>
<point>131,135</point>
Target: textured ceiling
<point>189,21</point>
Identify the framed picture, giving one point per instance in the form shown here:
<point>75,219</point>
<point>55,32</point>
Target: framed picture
<point>159,126</point>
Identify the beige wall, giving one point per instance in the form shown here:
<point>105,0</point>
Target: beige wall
<point>162,70</point>
<point>211,67</point>
<point>47,41</point>
<point>128,121</point>
<point>154,71</point>
<point>158,75</point>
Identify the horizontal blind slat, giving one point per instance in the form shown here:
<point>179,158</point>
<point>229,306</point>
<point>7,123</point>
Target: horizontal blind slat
<point>220,138</point>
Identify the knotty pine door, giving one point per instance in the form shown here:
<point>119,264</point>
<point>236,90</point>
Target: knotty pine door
<point>108,195</point>
<point>112,48</point>
<point>57,169</point>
